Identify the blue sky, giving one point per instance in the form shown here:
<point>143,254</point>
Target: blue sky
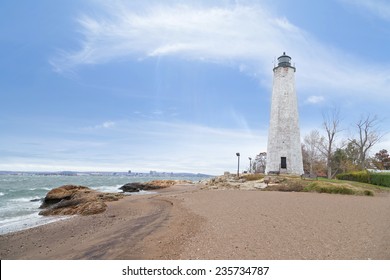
<point>178,85</point>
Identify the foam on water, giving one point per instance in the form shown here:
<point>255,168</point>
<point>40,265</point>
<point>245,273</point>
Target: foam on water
<point>113,189</point>
<point>26,221</point>
<point>34,189</point>
<point>25,199</point>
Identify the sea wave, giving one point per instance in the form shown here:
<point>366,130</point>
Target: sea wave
<point>25,199</point>
<point>44,189</point>
<point>112,188</point>
<point>26,221</point>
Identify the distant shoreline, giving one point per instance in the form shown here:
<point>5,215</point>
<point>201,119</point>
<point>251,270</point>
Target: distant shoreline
<point>106,173</point>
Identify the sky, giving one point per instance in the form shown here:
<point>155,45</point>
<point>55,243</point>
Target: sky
<point>179,86</point>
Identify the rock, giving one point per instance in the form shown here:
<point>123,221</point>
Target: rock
<point>152,185</point>
<point>232,182</point>
<point>64,192</point>
<point>132,187</point>
<point>72,199</point>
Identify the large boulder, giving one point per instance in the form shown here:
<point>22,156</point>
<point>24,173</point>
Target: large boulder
<point>72,199</point>
<point>133,187</point>
<point>65,192</point>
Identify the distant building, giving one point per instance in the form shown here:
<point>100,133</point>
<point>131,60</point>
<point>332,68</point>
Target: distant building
<point>284,154</point>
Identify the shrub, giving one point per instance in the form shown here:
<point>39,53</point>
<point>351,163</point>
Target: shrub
<point>368,193</point>
<point>329,189</point>
<point>380,179</point>
<point>341,190</point>
<point>358,176</point>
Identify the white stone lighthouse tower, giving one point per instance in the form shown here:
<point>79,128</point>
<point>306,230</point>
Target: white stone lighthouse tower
<point>284,152</point>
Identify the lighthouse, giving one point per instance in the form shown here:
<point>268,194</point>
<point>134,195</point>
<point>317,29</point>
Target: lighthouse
<point>284,154</point>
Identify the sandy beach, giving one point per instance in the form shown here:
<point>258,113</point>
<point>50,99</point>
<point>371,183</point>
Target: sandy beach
<point>185,222</point>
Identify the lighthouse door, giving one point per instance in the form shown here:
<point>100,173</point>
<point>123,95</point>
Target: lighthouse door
<point>283,162</point>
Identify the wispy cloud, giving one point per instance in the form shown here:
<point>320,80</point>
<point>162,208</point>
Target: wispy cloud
<point>189,31</point>
<point>104,125</point>
<point>246,35</point>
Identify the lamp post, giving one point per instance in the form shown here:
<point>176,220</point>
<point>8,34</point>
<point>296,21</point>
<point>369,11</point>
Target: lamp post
<point>238,167</point>
<point>250,165</point>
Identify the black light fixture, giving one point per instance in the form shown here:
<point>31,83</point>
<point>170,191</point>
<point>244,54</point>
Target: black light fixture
<point>238,166</point>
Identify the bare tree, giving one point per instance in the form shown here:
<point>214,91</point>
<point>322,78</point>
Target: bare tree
<point>260,162</point>
<point>368,134</point>
<point>312,142</point>
<point>331,125</point>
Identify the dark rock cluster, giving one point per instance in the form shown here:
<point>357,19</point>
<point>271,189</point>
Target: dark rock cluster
<point>152,185</point>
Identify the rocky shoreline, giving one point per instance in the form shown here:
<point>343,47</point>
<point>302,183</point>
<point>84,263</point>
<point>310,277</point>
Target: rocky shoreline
<point>290,183</point>
<point>82,200</point>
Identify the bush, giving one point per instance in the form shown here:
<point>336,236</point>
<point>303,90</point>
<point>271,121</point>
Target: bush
<point>380,179</point>
<point>368,193</point>
<point>329,189</point>
<point>358,176</point>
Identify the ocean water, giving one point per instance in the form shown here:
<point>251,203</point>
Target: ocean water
<point>20,195</point>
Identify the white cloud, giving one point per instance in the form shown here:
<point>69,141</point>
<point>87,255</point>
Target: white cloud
<point>314,99</point>
<point>108,124</point>
<point>246,35</point>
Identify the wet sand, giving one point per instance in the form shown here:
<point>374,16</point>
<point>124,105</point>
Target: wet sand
<point>184,222</point>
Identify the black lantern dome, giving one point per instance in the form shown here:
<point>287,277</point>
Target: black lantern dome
<point>284,61</point>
